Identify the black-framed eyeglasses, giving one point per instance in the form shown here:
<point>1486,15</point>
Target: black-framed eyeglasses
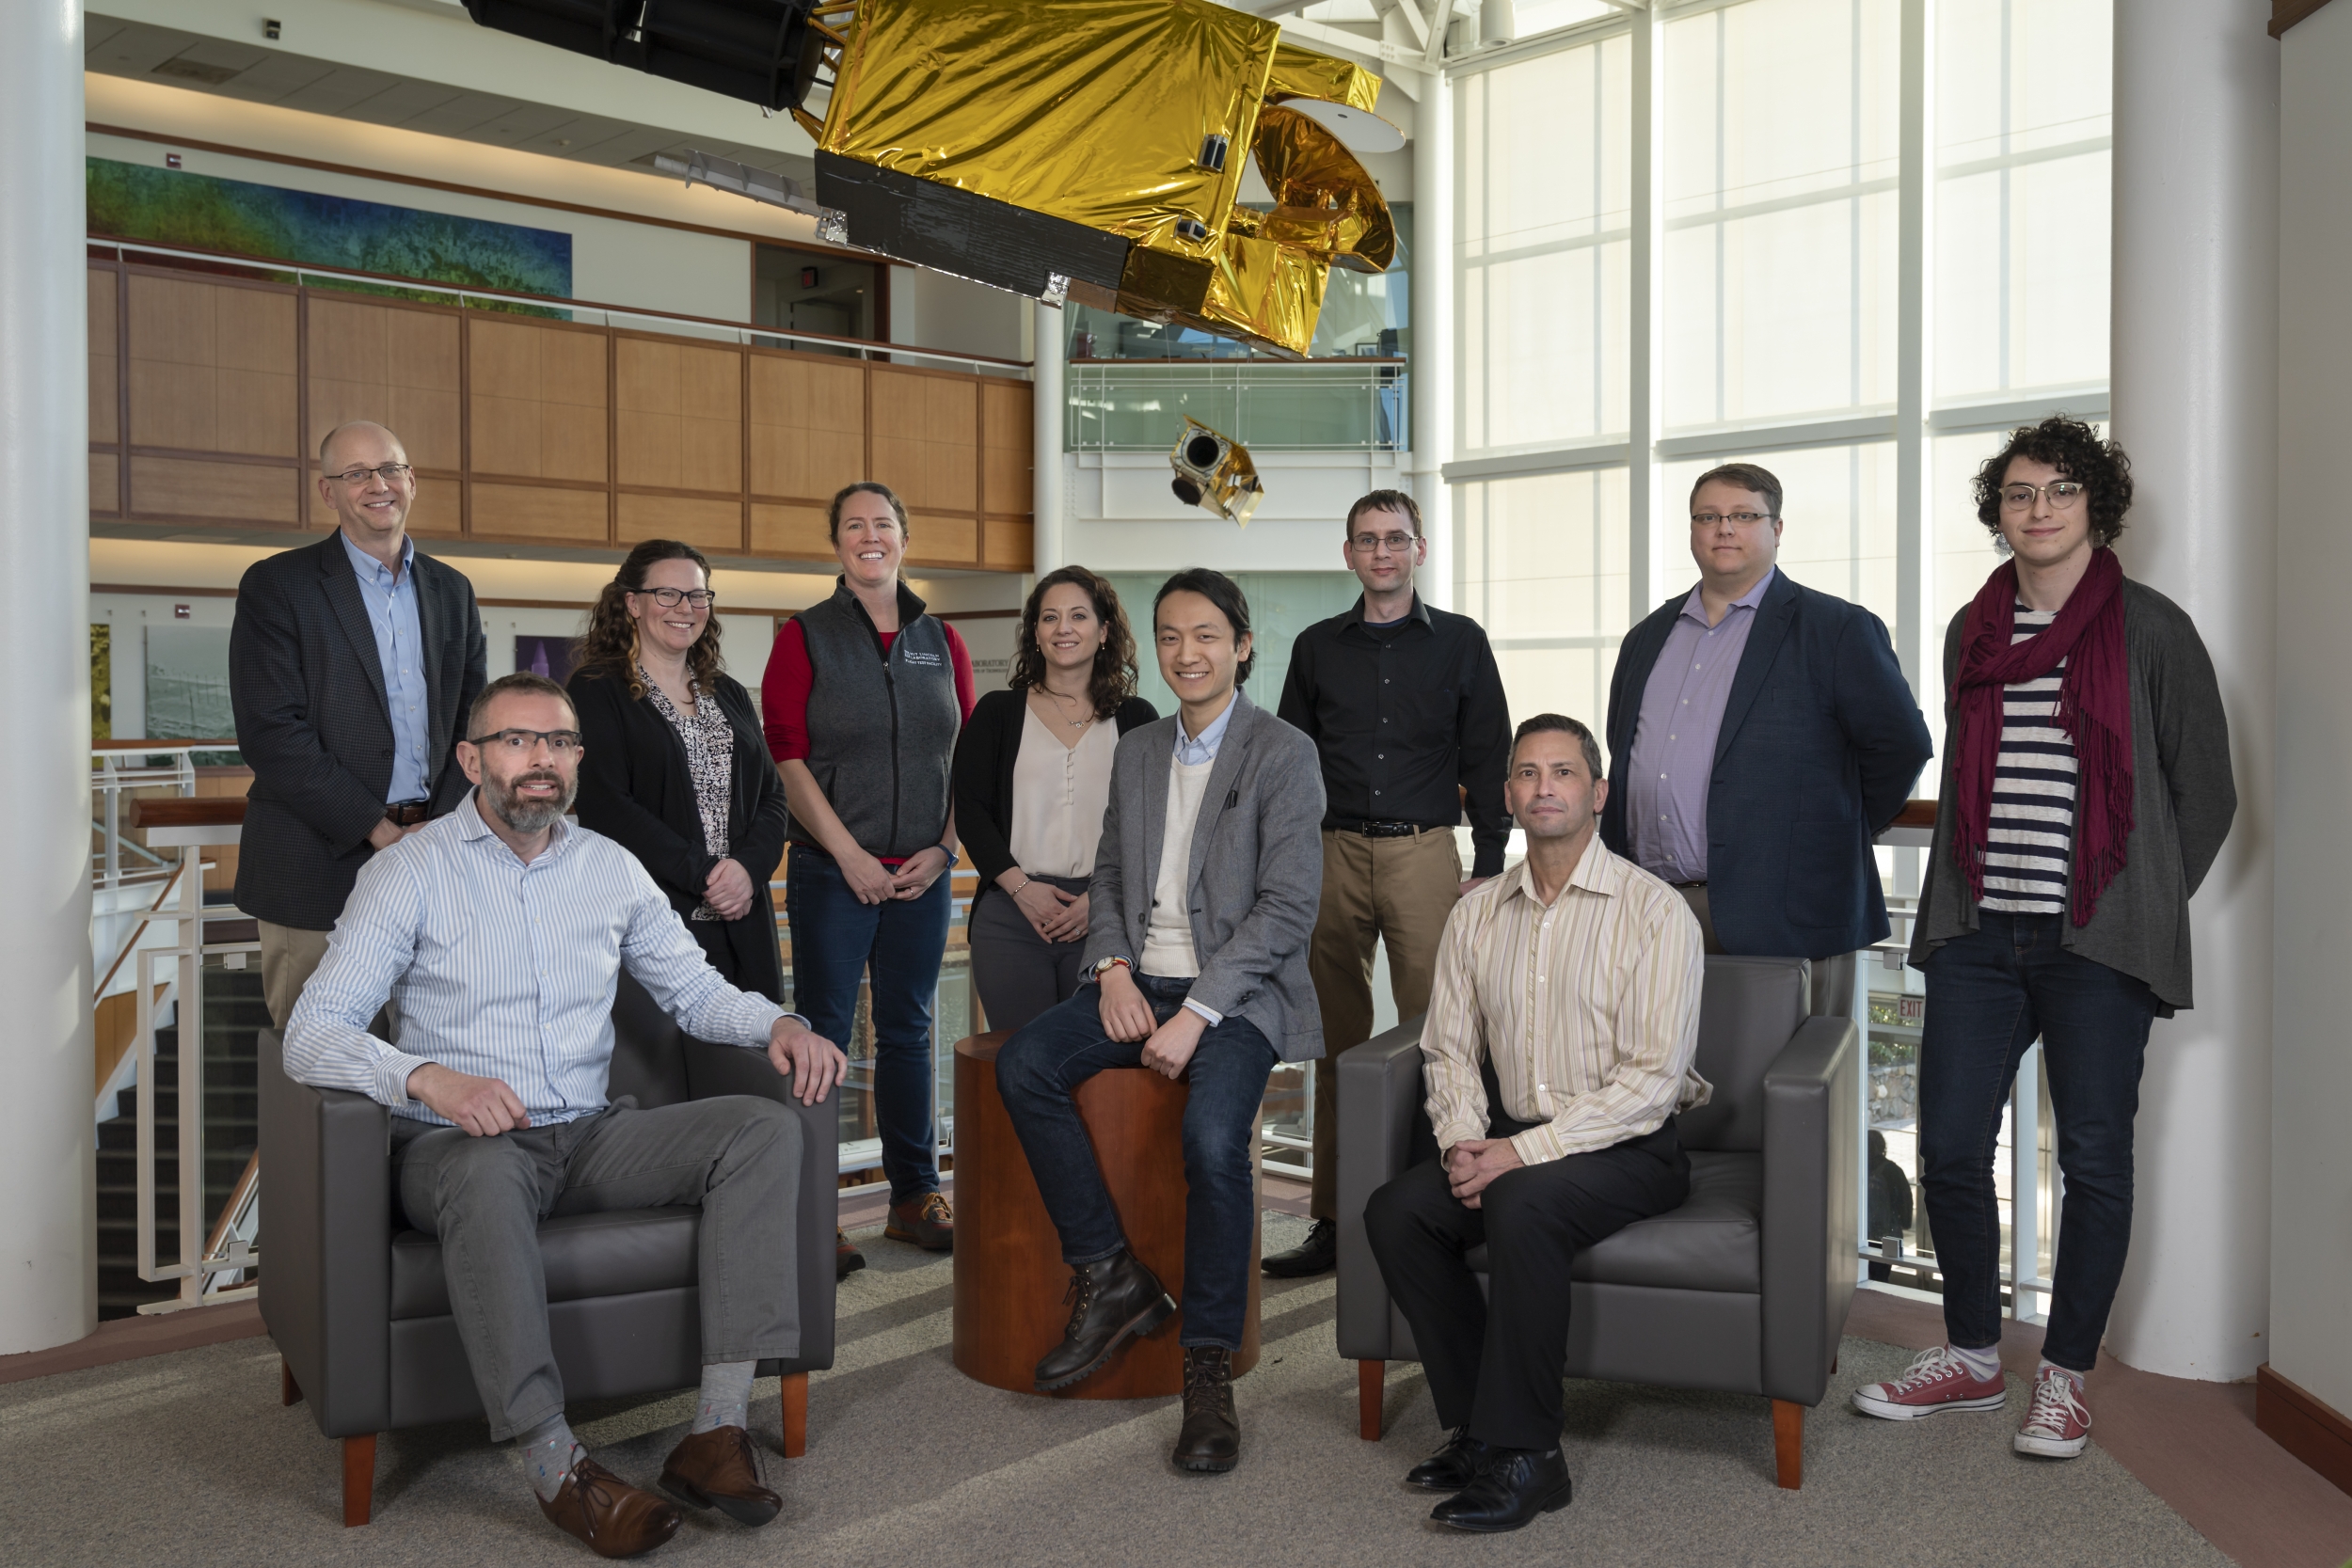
<point>669,598</point>
<point>390,473</point>
<point>521,743</point>
<point>2063,494</point>
<point>1738,519</point>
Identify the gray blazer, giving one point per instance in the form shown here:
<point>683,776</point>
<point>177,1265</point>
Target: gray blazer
<point>2183,801</point>
<point>1257,870</point>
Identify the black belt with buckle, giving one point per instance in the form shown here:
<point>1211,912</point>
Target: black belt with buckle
<point>1387,830</point>
<point>406,813</point>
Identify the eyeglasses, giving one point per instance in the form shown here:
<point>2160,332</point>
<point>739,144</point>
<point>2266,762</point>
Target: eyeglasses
<point>1738,519</point>
<point>669,598</point>
<point>2065,493</point>
<point>1369,544</point>
<point>390,473</point>
<point>521,743</point>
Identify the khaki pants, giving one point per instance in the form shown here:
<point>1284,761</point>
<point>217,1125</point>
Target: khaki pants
<point>289,955</point>
<point>1832,977</point>
<point>1393,890</point>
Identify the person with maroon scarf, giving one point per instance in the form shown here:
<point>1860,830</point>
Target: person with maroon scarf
<point>2086,791</point>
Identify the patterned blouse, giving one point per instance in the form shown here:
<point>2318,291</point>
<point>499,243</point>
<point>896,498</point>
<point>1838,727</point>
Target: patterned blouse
<point>709,742</point>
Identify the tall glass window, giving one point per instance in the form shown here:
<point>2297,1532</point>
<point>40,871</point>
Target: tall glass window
<point>1544,563</point>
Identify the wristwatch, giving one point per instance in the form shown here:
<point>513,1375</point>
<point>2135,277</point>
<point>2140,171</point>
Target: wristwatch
<point>1104,966</point>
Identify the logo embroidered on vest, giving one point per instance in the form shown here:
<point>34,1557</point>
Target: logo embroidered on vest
<point>917,656</point>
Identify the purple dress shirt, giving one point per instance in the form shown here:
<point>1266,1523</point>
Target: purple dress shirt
<point>1674,743</point>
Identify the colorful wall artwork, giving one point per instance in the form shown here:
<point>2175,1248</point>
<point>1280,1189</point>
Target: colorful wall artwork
<point>160,206</point>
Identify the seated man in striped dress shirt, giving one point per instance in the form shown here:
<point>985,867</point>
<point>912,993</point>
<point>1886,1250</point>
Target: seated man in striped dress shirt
<point>1574,978</point>
<point>498,932</point>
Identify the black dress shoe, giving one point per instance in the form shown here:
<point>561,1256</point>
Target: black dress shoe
<point>1318,1253</point>
<point>1210,1440</point>
<point>1514,1486</point>
<point>1454,1466</point>
<point>1112,1300</point>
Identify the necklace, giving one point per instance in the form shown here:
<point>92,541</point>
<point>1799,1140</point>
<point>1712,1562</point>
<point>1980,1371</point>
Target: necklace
<point>1058,699</point>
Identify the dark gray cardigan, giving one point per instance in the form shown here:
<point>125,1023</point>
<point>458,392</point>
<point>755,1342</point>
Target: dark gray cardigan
<point>2183,799</point>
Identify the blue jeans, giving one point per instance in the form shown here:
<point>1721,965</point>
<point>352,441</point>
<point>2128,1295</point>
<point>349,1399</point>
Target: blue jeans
<point>835,942</point>
<point>1989,994</point>
<point>1044,1064</point>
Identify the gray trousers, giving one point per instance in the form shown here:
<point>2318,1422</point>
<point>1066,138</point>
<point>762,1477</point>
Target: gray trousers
<point>735,1157</point>
<point>1019,974</point>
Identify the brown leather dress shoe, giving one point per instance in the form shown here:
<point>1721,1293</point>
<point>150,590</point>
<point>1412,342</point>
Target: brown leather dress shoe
<point>610,1516</point>
<point>847,1259</point>
<point>719,1469</point>
<point>927,1222</point>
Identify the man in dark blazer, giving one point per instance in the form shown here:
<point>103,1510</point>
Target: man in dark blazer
<point>351,667</point>
<point>1760,736</point>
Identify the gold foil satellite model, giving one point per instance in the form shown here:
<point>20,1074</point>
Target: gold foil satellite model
<point>1090,149</point>
<point>1214,472</point>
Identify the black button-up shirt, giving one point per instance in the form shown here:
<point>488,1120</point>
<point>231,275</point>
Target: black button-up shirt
<point>1407,718</point>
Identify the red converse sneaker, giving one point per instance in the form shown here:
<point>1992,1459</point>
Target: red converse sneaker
<point>2056,1424</point>
<point>1937,1379</point>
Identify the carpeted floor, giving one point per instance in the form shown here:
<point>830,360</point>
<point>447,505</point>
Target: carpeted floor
<point>189,1458</point>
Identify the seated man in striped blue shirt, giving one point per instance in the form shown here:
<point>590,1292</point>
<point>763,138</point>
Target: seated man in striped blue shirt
<point>497,932</point>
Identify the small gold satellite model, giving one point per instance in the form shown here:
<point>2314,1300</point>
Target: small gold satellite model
<point>1214,473</point>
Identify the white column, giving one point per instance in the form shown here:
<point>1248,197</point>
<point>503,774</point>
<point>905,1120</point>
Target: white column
<point>2195,356</point>
<point>1047,501</point>
<point>1431,389</point>
<point>1648,572</point>
<point>2311,1159</point>
<point>48,1248</point>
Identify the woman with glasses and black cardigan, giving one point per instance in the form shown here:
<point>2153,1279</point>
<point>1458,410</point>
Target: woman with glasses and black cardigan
<point>675,767</point>
<point>1032,777</point>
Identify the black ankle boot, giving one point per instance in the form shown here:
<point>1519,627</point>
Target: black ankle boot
<point>1110,1300</point>
<point>1211,1438</point>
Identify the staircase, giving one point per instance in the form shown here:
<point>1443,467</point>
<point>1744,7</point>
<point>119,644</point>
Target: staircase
<point>234,1014</point>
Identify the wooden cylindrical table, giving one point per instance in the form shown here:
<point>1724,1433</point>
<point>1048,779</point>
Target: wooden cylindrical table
<point>1010,1302</point>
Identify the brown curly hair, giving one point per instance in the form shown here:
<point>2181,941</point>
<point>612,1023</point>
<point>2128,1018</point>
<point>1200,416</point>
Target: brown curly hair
<point>2074,450</point>
<point>1114,678</point>
<point>608,649</point>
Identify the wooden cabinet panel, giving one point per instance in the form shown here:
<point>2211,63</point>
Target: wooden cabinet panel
<point>1007,545</point>
<point>439,510</point>
<point>926,438</point>
<point>707,525</point>
<point>807,424</point>
<point>105,484</point>
<point>105,372</point>
<point>793,531</point>
<point>1007,446</point>
<point>541,512</point>
<point>212,367</point>
<point>395,366</point>
<point>680,412</point>
<point>537,400</point>
<point>225,492</point>
<point>942,541</point>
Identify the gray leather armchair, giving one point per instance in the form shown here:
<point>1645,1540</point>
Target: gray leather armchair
<point>358,1308</point>
<point>1744,1287</point>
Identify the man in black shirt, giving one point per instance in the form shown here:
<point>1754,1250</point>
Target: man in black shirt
<point>1405,704</point>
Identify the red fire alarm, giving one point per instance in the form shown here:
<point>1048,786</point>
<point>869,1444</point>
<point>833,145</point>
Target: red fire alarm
<point>171,160</point>
<point>808,277</point>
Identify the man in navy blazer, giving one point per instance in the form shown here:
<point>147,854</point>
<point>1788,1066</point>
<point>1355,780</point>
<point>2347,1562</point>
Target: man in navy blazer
<point>352,665</point>
<point>1760,736</point>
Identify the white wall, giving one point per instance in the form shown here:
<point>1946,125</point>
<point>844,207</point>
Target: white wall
<point>1124,518</point>
<point>932,309</point>
<point>2311,1156</point>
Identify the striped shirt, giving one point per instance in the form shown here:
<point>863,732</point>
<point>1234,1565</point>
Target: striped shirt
<point>503,969</point>
<point>1588,1007</point>
<point>2029,832</point>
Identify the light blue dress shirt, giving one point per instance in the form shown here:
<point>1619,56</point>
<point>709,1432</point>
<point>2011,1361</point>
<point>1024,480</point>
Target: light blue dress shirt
<point>1192,752</point>
<point>391,601</point>
<point>503,969</point>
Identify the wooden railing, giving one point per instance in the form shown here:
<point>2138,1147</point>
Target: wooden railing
<point>211,384</point>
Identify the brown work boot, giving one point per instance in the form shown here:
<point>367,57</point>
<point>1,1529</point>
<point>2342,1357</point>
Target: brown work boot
<point>610,1516</point>
<point>1210,1440</point>
<point>927,1222</point>
<point>847,1259</point>
<point>719,1469</point>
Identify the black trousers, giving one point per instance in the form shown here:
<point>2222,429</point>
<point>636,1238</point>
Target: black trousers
<point>1495,1363</point>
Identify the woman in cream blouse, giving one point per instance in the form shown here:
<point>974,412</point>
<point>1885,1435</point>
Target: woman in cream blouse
<point>1032,777</point>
